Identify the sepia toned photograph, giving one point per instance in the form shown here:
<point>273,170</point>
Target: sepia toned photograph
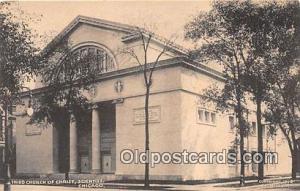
<point>150,95</point>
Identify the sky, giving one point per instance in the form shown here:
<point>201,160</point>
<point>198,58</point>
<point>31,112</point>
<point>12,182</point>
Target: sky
<point>166,18</point>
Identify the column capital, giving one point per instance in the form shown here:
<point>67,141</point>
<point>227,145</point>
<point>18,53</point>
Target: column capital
<point>72,117</point>
<point>70,111</point>
<point>118,101</point>
<point>94,106</point>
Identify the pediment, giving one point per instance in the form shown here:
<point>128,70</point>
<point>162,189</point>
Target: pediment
<point>125,33</point>
<point>83,21</point>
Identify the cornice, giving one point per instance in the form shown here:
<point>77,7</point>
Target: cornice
<point>172,62</point>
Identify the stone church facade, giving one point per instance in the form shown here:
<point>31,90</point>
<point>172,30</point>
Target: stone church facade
<point>178,119</point>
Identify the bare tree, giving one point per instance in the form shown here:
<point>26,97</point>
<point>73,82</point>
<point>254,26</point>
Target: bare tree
<point>147,68</point>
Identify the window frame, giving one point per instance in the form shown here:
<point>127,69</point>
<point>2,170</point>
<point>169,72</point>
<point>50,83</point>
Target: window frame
<point>104,53</point>
<point>253,131</point>
<point>233,124</point>
<point>104,63</point>
<point>204,120</point>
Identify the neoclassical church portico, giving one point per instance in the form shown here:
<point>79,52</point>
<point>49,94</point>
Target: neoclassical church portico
<point>92,148</point>
<point>115,120</point>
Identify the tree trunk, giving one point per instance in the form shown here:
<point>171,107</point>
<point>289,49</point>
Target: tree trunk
<point>294,163</point>
<point>260,148</point>
<point>242,171</point>
<point>241,127</point>
<point>294,152</point>
<point>239,111</point>
<point>146,183</point>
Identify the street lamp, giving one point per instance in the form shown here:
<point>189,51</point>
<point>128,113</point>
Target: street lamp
<point>7,102</point>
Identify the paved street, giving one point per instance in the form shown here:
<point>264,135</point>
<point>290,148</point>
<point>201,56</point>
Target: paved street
<point>231,186</point>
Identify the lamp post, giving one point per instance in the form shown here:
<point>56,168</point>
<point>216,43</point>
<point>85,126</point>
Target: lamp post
<point>7,102</point>
<point>6,151</point>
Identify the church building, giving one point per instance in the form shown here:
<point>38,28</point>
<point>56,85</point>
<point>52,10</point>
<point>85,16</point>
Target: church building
<point>179,121</point>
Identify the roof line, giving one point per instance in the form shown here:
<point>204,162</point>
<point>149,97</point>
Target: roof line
<point>130,29</point>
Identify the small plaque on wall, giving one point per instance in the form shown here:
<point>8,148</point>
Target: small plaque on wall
<point>33,129</point>
<point>154,115</point>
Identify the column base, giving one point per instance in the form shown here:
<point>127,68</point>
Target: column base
<point>73,171</point>
<point>95,171</point>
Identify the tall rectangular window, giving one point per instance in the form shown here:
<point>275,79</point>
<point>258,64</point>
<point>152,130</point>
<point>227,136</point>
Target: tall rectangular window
<point>253,132</point>
<point>213,118</point>
<point>231,122</point>
<point>206,116</point>
<point>264,130</point>
<point>200,115</point>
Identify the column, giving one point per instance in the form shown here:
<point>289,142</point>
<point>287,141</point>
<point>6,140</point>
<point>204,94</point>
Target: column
<point>73,146</point>
<point>96,158</point>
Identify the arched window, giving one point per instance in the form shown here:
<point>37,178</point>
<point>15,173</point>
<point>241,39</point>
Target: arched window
<point>96,58</point>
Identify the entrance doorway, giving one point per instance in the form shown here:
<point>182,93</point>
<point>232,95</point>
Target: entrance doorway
<point>107,111</point>
<point>63,146</point>
<point>107,115</point>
